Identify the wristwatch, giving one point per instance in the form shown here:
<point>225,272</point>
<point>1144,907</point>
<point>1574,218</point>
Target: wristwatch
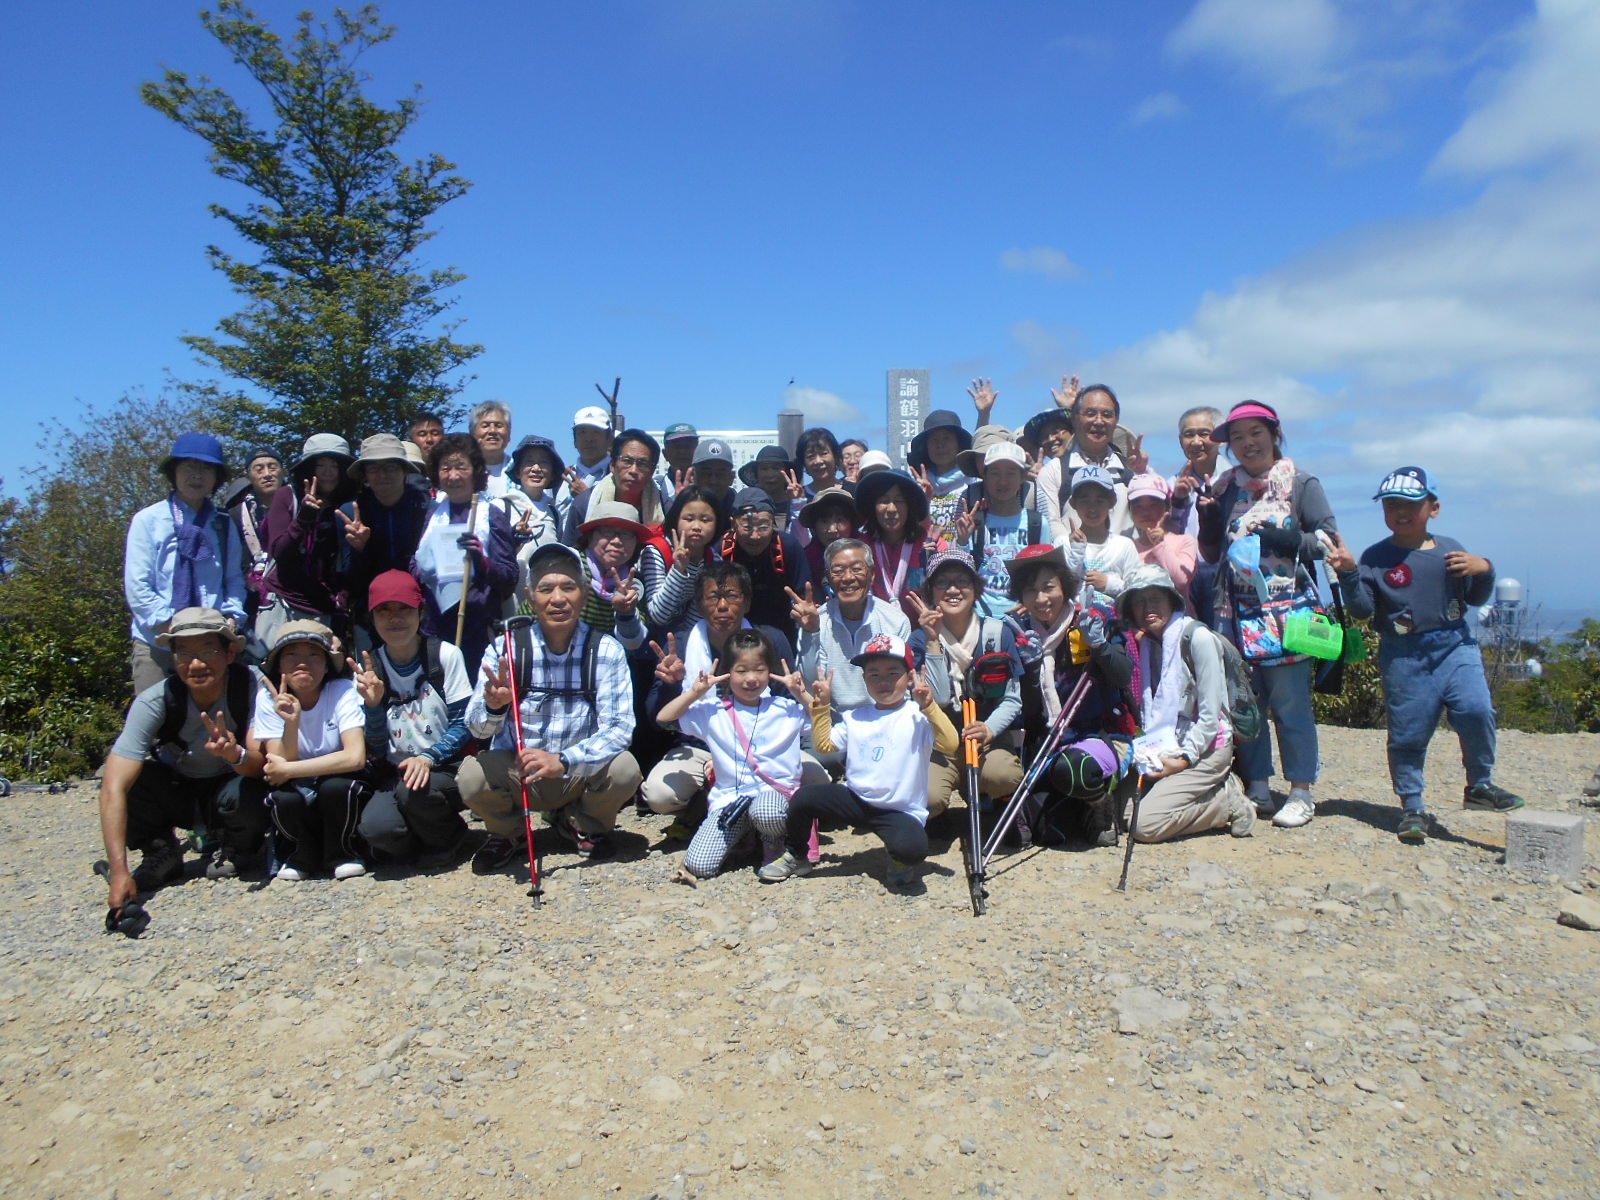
<point>566,767</point>
<point>244,753</point>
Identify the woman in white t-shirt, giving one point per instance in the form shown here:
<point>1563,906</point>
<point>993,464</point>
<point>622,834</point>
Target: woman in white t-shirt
<point>754,738</point>
<point>310,726</point>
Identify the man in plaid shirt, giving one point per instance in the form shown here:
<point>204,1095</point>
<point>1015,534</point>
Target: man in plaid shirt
<point>574,755</point>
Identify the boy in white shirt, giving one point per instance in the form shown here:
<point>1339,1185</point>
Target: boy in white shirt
<point>1096,555</point>
<point>887,745</point>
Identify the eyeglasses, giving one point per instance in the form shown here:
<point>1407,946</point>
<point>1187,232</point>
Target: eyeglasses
<point>754,524</point>
<point>849,571</point>
<point>629,460</point>
<point>726,596</point>
<point>958,585</point>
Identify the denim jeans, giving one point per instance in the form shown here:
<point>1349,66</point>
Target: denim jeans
<point>1425,675</point>
<point>1285,693</point>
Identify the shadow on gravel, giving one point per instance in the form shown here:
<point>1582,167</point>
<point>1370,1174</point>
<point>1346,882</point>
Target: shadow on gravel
<point>1383,817</point>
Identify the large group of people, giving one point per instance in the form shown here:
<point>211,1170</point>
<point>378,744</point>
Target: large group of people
<point>342,655</point>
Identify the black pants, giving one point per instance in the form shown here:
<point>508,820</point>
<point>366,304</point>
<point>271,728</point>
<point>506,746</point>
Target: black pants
<point>835,806</point>
<point>228,807</point>
<point>401,822</point>
<point>319,817</point>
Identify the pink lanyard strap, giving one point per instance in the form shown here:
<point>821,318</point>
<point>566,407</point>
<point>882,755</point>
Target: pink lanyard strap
<point>750,754</point>
<point>896,580</point>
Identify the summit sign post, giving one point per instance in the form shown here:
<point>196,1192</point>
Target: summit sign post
<point>909,393</point>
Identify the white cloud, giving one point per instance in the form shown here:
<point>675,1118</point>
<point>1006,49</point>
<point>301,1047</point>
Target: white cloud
<point>1163,106</point>
<point>1545,105</point>
<point>1040,260</point>
<point>820,407</point>
<point>1287,44</point>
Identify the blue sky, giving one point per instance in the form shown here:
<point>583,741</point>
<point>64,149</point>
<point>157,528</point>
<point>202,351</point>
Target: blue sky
<point>1377,215</point>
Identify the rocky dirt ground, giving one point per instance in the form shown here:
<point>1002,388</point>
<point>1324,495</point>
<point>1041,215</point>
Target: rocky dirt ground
<point>1308,1013</point>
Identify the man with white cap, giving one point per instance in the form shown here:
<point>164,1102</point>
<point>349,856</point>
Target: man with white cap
<point>591,437</point>
<point>574,697</point>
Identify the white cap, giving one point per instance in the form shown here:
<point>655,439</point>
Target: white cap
<point>594,417</point>
<point>1006,452</point>
<point>873,460</point>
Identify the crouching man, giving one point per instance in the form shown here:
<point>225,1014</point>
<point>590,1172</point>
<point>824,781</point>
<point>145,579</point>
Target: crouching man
<point>575,702</point>
<point>181,762</point>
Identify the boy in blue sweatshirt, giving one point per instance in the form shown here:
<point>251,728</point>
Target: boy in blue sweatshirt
<point>1417,586</point>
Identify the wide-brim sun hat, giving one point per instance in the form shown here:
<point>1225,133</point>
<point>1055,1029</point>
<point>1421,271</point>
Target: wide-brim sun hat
<point>939,418</point>
<point>984,437</point>
<point>1041,554</point>
<point>305,631</point>
<point>1143,578</point>
<point>380,447</point>
<point>614,514</point>
<point>834,496</point>
<point>535,442</point>
<point>198,622</point>
<point>1247,411</point>
<point>319,445</point>
<point>200,447</point>
<point>870,489</point>
<point>1032,431</point>
<point>767,454</point>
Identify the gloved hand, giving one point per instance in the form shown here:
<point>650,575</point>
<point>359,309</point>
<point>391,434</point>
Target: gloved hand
<point>1282,542</point>
<point>1093,627</point>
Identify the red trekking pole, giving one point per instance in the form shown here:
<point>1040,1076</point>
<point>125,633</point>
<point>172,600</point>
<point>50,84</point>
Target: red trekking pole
<point>534,889</point>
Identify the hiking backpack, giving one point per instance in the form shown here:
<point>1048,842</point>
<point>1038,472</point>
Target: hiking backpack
<point>239,697</point>
<point>1243,707</point>
<point>522,662</point>
<point>432,670</point>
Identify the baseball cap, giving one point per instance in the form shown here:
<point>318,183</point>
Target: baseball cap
<point>1407,483</point>
<point>1092,477</point>
<point>885,645</point>
<point>394,587</point>
<point>678,429</point>
<point>713,450</point>
<point>1148,484</point>
<point>593,417</point>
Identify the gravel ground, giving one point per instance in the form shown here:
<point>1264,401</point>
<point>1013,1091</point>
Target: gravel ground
<point>1306,1013</point>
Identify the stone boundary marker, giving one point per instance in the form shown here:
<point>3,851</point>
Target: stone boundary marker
<point>1545,843</point>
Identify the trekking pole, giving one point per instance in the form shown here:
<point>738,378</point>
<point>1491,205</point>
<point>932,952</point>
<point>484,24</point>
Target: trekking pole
<point>969,714</point>
<point>466,575</point>
<point>534,889</point>
<point>1036,769</point>
<point>1133,823</point>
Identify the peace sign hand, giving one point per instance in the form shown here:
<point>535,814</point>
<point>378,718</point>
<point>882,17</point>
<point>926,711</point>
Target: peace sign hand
<point>624,593</point>
<point>928,617</point>
<point>219,742</point>
<point>576,484</point>
<point>922,690</point>
<point>796,683</point>
<point>822,691</point>
<point>797,490</point>
<point>287,704</point>
<point>497,687</point>
<point>967,522</point>
<point>669,667</point>
<point>706,683</point>
<point>1138,460</point>
<point>920,474</point>
<point>682,479</point>
<point>806,613</point>
<point>525,525</point>
<point>355,532</point>
<point>311,500</point>
<point>1340,559</point>
<point>1068,395</point>
<point>368,682</point>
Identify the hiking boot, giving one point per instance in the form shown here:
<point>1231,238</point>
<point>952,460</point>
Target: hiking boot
<point>222,863</point>
<point>901,875</point>
<point>1297,810</point>
<point>589,845</point>
<point>1261,796</point>
<point>496,854</point>
<point>350,870</point>
<point>1241,817</point>
<point>162,864</point>
<point>783,867</point>
<point>1413,827</point>
<point>1490,798</point>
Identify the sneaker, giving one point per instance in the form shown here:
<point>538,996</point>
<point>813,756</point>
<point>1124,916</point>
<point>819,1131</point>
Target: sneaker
<point>496,854</point>
<point>1413,827</point>
<point>1490,797</point>
<point>162,864</point>
<point>785,865</point>
<point>901,875</point>
<point>350,870</point>
<point>678,831</point>
<point>1260,794</point>
<point>1242,817</point>
<point>221,864</point>
<point>589,845</point>
<point>290,874</point>
<point>1297,810</point>
<point>771,850</point>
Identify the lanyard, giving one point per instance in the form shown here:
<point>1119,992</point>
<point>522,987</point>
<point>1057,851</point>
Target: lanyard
<point>895,580</point>
<point>749,751</point>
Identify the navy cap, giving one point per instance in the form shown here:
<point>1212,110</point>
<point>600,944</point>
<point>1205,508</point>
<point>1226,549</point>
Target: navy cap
<point>1407,483</point>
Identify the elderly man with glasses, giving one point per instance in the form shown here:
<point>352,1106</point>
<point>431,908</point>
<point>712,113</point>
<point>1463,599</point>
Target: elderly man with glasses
<point>774,559</point>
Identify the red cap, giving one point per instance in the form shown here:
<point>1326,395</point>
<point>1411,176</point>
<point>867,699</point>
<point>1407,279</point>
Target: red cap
<point>394,587</point>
